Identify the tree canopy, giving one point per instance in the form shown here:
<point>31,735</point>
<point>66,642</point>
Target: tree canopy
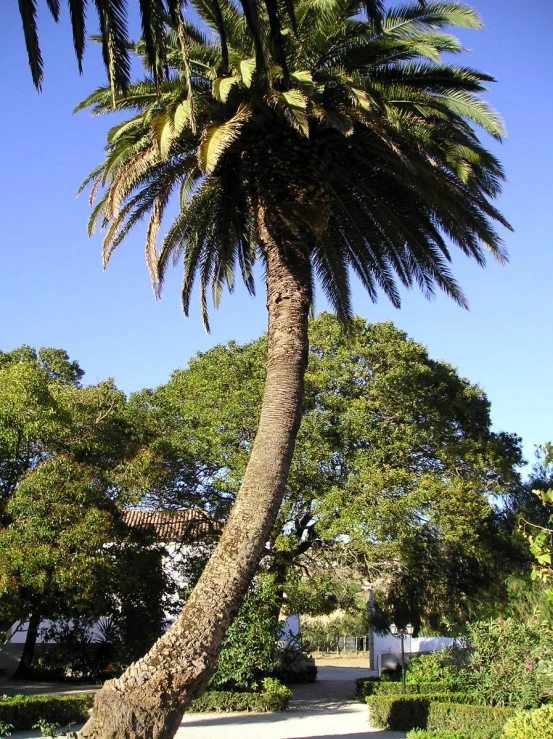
<point>71,457</point>
<point>396,470</point>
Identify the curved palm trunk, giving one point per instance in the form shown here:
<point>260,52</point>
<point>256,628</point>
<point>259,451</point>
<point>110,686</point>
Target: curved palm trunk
<point>148,700</point>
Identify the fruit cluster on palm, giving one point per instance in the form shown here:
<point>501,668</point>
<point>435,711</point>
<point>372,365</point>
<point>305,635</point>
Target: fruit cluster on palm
<point>347,144</point>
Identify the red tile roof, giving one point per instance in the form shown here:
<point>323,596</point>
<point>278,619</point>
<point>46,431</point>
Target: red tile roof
<point>190,524</point>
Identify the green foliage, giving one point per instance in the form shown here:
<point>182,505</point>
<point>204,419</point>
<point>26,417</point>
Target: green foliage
<point>528,601</point>
<point>24,711</point>
<point>536,724</point>
<point>366,687</point>
<point>5,730</point>
<point>395,450</point>
<point>273,697</point>
<point>325,634</point>
<point>438,666</point>
<point>540,537</point>
<point>70,457</point>
<point>249,644</point>
<point>511,663</point>
<point>447,711</point>
<point>47,728</point>
<point>291,661</point>
<point>429,734</point>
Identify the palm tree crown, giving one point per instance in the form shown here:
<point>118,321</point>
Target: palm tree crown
<point>359,145</point>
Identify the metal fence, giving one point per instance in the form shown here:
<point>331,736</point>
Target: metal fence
<point>343,644</point>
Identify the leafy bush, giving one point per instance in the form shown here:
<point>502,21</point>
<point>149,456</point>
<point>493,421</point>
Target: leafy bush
<point>536,724</point>
<point>274,697</point>
<point>510,662</point>
<point>435,666</point>
<point>484,722</point>
<point>448,711</point>
<point>73,650</point>
<point>429,734</point>
<point>248,650</point>
<point>292,664</point>
<point>24,711</point>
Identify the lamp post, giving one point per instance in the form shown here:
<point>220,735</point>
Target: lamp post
<point>401,634</point>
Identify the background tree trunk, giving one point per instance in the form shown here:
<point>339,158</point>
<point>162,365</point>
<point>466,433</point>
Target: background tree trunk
<point>29,647</point>
<point>148,700</point>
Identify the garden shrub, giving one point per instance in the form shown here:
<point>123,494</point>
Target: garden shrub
<point>291,662</point>
<point>484,722</point>
<point>511,662</point>
<point>536,724</point>
<point>274,696</point>
<point>249,645</point>
<point>24,711</point>
<point>366,687</point>
<point>447,711</point>
<point>430,734</point>
<point>435,666</point>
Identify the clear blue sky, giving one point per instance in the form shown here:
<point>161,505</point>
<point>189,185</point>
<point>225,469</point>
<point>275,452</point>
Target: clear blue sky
<point>54,293</point>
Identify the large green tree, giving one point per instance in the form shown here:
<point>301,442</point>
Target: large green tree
<point>70,457</point>
<point>356,147</point>
<point>396,473</point>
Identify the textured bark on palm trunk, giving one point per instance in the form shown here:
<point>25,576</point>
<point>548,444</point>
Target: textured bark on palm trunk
<point>148,700</point>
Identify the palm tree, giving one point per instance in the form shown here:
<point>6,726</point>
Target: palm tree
<point>355,150</point>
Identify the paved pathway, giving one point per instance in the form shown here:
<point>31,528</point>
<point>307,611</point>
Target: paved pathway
<point>318,710</point>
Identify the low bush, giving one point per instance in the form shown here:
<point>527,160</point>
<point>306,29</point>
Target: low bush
<point>482,722</point>
<point>24,711</point>
<point>305,672</point>
<point>446,711</point>
<point>536,724</point>
<point>436,666</point>
<point>366,687</point>
<point>291,663</point>
<point>429,734</point>
<point>274,696</point>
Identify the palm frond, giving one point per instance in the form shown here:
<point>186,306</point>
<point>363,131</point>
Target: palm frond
<point>152,15</point>
<point>113,28</point>
<point>78,27</point>
<point>27,9</point>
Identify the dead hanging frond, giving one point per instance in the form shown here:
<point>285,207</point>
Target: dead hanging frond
<point>178,21</point>
<point>151,242</point>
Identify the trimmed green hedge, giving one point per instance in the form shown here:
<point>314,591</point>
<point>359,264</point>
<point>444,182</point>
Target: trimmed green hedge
<point>440,712</point>
<point>274,697</point>
<point>23,711</point>
<point>367,686</point>
<point>428,734</point>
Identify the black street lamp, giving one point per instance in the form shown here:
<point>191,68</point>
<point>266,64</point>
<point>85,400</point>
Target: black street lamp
<point>401,634</point>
